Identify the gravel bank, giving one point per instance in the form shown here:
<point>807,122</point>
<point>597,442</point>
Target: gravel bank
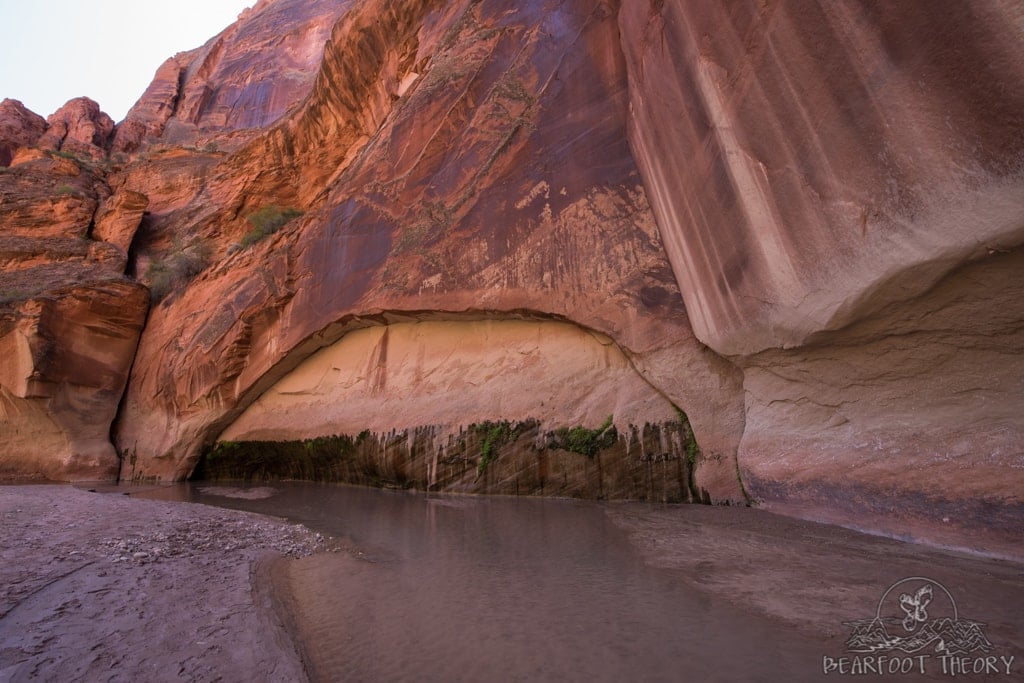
<point>107,587</point>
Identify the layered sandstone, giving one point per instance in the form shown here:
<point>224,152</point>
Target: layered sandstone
<point>907,419</point>
<point>444,177</point>
<point>480,406</point>
<point>66,356</point>
<point>451,373</point>
<point>829,193</point>
<point>78,128</point>
<point>832,158</point>
<point>69,322</point>
<point>246,77</point>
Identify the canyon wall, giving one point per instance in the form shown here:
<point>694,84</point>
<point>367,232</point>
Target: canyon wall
<point>449,373</point>
<point>69,319</point>
<point>459,160</point>
<point>789,230</point>
<point>240,81</point>
<point>840,189</point>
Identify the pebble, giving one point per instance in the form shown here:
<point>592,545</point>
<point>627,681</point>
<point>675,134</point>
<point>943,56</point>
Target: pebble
<point>201,537</point>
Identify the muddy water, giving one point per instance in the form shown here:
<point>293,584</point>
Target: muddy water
<point>474,588</point>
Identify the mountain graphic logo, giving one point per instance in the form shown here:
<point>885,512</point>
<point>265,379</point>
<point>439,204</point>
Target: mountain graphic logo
<point>917,614</point>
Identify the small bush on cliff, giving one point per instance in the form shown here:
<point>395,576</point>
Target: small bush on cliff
<point>267,221</point>
<point>181,264</point>
<point>585,441</point>
<point>494,435</point>
<point>12,295</point>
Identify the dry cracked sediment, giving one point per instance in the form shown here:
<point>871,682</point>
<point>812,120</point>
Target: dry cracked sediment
<point>113,588</point>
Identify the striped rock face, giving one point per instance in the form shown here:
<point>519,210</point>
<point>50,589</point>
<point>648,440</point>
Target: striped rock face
<point>839,190</point>
<point>453,162</point>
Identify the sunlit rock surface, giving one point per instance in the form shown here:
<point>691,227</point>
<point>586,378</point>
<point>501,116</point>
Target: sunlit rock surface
<point>452,160</point>
<point>78,128</point>
<point>19,127</point>
<point>246,77</point>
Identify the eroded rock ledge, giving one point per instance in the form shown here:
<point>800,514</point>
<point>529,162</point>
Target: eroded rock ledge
<point>437,175</point>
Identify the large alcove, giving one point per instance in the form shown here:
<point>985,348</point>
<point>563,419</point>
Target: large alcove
<point>488,406</point>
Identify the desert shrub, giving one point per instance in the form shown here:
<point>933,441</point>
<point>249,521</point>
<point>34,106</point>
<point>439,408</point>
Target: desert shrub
<point>267,221</point>
<point>12,295</point>
<point>173,271</point>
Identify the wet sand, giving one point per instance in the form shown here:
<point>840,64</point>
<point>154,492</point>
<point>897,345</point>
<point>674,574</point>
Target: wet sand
<point>107,587</point>
<point>812,577</point>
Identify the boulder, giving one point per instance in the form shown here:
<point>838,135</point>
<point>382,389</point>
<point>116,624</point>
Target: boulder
<point>19,128</point>
<point>78,128</point>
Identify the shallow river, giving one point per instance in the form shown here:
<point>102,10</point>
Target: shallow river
<point>474,588</point>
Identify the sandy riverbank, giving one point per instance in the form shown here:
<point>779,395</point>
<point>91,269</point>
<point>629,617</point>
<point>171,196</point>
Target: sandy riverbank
<point>100,586</point>
<point>106,587</point>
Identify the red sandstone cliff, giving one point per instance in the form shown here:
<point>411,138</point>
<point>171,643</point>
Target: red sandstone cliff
<point>440,178</point>
<point>830,194</point>
<point>69,319</point>
<point>19,128</point>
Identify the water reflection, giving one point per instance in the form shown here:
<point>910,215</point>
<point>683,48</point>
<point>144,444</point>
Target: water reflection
<point>475,588</point>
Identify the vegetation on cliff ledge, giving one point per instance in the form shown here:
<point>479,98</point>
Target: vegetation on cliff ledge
<point>182,263</point>
<point>585,441</point>
<point>267,221</point>
<point>494,435</point>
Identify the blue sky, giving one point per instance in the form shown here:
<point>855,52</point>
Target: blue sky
<point>54,50</point>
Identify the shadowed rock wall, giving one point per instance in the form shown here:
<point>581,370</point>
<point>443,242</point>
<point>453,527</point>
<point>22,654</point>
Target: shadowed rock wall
<point>840,189</point>
<point>811,162</point>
